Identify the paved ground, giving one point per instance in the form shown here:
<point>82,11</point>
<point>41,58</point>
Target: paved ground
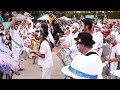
<point>33,71</point>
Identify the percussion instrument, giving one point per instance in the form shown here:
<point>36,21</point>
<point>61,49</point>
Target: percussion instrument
<point>115,74</point>
<point>106,49</point>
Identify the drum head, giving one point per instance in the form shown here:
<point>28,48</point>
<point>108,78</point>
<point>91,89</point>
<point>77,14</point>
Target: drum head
<point>115,72</point>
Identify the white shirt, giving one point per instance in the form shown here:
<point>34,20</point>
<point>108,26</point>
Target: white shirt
<point>75,35</point>
<point>73,50</point>
<point>117,35</point>
<point>115,50</point>
<point>88,64</point>
<point>98,38</point>
<point>46,62</point>
<point>29,30</point>
<point>15,35</point>
<point>69,40</point>
<point>30,21</point>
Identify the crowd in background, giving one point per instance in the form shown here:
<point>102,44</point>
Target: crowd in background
<point>36,40</point>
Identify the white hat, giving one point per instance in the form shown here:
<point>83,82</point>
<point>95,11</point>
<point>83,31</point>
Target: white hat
<point>76,25</point>
<point>99,25</point>
<point>83,69</point>
<point>20,17</point>
<point>26,14</point>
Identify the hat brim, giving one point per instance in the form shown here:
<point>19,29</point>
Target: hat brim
<point>70,74</point>
<point>76,39</point>
<point>97,27</point>
<point>93,42</point>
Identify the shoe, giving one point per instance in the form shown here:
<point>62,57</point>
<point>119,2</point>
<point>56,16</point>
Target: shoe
<point>33,62</point>
<point>21,69</point>
<point>17,73</point>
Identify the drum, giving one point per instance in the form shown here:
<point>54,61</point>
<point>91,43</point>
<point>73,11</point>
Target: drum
<point>115,74</point>
<point>106,70</point>
<point>106,49</point>
<point>64,56</point>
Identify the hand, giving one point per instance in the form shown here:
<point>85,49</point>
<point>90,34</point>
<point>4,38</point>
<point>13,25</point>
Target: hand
<point>104,59</point>
<point>32,51</point>
<point>61,46</point>
<point>65,46</point>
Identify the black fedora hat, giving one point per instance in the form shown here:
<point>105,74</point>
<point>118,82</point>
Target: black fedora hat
<point>85,39</point>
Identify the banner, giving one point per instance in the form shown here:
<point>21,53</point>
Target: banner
<point>89,16</point>
<point>6,25</point>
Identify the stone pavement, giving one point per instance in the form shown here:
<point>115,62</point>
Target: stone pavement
<point>33,71</point>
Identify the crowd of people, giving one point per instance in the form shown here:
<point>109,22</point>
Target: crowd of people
<point>81,44</point>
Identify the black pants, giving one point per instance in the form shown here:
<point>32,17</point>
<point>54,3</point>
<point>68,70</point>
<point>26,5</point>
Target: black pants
<point>56,39</point>
<point>1,75</point>
<point>8,76</point>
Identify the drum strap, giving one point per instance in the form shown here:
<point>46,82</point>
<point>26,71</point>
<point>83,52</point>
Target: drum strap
<point>89,53</point>
<point>118,66</point>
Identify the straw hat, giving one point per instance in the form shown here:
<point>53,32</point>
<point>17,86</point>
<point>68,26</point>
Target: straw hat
<point>110,38</point>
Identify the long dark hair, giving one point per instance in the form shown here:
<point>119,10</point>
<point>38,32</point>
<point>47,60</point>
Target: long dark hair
<point>44,33</point>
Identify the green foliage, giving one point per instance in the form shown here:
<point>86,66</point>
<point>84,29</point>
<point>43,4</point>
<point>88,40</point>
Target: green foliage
<point>114,15</point>
<point>70,14</point>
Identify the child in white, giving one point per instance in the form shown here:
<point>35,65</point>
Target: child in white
<point>46,62</point>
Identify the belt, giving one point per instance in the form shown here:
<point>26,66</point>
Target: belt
<point>17,43</point>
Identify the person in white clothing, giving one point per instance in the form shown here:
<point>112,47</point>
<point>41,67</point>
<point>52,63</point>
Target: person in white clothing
<point>116,32</point>
<point>70,44</point>
<point>16,41</point>
<point>98,38</point>
<point>97,35</point>
<point>75,29</point>
<point>114,56</point>
<point>84,66</point>
<point>44,55</point>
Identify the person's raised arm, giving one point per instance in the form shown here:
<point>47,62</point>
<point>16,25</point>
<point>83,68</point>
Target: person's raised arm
<point>14,14</point>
